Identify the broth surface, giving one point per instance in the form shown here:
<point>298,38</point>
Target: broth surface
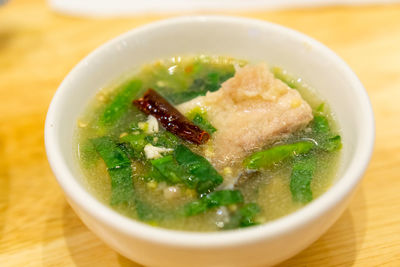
<point>269,188</point>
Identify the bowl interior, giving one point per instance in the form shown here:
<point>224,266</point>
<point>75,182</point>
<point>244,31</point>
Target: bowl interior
<point>251,40</point>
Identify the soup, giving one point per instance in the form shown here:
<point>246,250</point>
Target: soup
<point>207,143</point>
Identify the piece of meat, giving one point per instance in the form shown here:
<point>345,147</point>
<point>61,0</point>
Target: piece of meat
<point>249,111</point>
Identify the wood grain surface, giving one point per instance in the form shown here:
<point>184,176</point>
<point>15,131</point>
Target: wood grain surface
<point>39,47</point>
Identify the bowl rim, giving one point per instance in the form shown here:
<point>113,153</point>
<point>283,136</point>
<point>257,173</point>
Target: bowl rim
<point>338,191</point>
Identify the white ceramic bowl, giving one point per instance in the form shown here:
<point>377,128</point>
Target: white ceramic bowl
<point>241,38</point>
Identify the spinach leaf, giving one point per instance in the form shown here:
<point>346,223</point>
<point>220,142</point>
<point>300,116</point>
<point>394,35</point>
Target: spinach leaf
<point>172,171</point>
<point>137,142</point>
<point>209,82</point>
<point>153,174</point>
<point>184,96</point>
<point>223,198</point>
<point>330,143</point>
<point>327,141</point>
<point>112,155</point>
<point>120,104</point>
<point>269,157</point>
<point>164,139</point>
<point>188,168</point>
<point>195,207</point>
<point>300,179</point>
<point>122,190</point>
<point>320,125</point>
<point>212,200</point>
<point>204,177</point>
<point>119,169</point>
<point>128,150</point>
<point>204,124</point>
<point>248,213</point>
<point>243,217</point>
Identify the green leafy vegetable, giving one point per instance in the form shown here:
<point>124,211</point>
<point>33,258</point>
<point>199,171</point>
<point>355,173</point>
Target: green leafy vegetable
<point>188,168</point>
<point>122,190</point>
<point>205,177</point>
<point>267,158</point>
<point>327,141</point>
<point>119,169</point>
<point>212,200</point>
<point>112,155</point>
<point>320,125</point>
<point>163,139</point>
<point>197,110</point>
<point>301,177</point>
<point>128,150</point>
<point>137,142</point>
<point>243,217</point>
<point>223,198</point>
<point>195,207</point>
<point>248,213</point>
<point>120,104</point>
<point>181,97</point>
<point>330,144</point>
<point>199,117</point>
<point>152,173</point>
<point>204,124</point>
<point>172,171</point>
<point>210,82</point>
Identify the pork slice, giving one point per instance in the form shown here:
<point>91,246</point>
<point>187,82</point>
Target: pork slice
<point>249,111</point>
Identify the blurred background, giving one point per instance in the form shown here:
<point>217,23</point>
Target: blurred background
<point>41,41</point>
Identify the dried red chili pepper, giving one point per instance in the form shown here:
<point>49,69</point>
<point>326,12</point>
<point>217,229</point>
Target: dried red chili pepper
<point>154,104</point>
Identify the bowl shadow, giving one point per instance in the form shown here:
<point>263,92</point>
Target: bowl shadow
<point>337,247</point>
<point>85,248</point>
<point>340,244</point>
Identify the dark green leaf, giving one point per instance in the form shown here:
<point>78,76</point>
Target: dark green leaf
<point>137,142</point>
<point>172,171</point>
<point>244,216</point>
<point>223,198</point>
<point>212,200</point>
<point>121,185</point>
<point>269,157</point>
<point>120,104</point>
<point>112,155</point>
<point>128,150</point>
<point>320,125</point>
<point>209,82</point>
<point>205,177</point>
<point>330,144</point>
<point>181,97</point>
<point>164,139</point>
<point>326,140</point>
<point>152,173</point>
<point>203,123</point>
<point>195,207</point>
<point>301,177</point>
<point>119,169</point>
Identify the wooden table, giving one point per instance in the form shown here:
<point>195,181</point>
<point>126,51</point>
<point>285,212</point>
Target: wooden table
<point>39,47</point>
